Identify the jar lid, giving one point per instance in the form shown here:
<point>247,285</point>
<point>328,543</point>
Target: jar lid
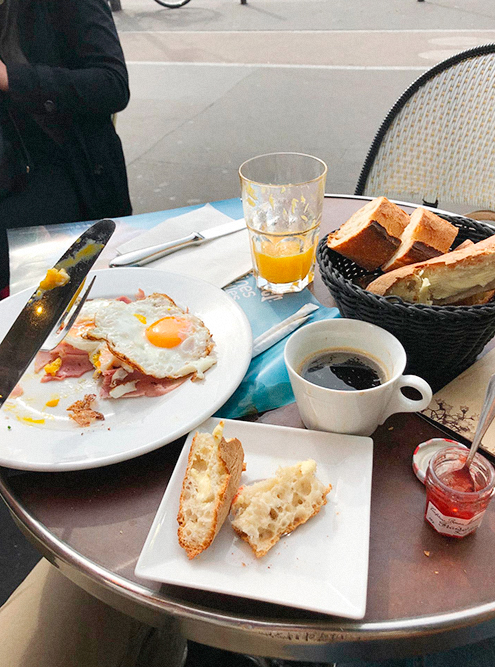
<point>424,452</point>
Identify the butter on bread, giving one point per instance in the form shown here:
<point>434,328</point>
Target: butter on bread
<point>445,279</point>
<point>264,511</point>
<point>426,236</point>
<point>371,235</point>
<point>212,477</point>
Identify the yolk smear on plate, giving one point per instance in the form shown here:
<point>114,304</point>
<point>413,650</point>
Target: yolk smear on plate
<point>30,420</point>
<point>53,402</point>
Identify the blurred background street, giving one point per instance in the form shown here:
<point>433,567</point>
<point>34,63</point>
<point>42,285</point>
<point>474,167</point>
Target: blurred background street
<point>216,82</point>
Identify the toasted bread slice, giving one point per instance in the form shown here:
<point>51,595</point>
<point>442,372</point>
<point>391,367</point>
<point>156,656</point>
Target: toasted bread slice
<point>266,510</point>
<point>445,279</point>
<point>426,236</point>
<point>212,478</point>
<point>372,235</point>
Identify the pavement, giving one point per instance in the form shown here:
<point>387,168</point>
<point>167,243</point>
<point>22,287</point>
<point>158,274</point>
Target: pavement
<point>216,82</point>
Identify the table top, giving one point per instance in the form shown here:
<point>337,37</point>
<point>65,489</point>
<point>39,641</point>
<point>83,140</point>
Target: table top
<point>425,592</point>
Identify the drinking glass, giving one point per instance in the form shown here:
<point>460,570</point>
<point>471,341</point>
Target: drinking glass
<point>282,197</point>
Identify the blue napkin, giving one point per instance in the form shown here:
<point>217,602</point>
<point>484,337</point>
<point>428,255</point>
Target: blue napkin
<point>266,385</point>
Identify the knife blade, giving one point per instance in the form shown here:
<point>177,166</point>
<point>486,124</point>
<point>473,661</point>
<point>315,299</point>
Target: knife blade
<point>151,253</point>
<point>46,306</point>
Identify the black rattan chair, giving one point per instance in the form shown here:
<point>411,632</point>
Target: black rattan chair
<point>436,145</point>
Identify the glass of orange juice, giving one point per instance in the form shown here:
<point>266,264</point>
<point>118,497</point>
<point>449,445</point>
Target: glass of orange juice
<point>282,197</point>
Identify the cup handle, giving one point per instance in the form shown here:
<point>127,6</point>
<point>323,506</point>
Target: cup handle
<point>400,403</point>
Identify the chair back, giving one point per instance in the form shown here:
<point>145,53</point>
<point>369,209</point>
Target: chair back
<point>436,146</point>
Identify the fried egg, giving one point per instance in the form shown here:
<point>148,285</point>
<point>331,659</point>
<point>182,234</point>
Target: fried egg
<point>155,336</point>
<point>85,322</point>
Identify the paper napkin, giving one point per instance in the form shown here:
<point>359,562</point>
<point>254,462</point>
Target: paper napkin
<point>458,405</point>
<point>266,384</point>
<point>219,261</point>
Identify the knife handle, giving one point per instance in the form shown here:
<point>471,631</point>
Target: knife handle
<point>149,254</point>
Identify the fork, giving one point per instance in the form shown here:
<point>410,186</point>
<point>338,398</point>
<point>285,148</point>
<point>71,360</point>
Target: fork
<point>72,311</point>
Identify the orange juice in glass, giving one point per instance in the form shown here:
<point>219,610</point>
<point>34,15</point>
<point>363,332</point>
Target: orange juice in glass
<point>282,197</point>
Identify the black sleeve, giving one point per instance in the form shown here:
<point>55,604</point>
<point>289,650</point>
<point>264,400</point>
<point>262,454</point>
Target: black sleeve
<point>93,81</point>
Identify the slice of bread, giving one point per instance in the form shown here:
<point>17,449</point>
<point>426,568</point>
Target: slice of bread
<point>426,236</point>
<point>475,299</point>
<point>445,279</point>
<point>465,244</point>
<point>372,235</point>
<point>212,478</point>
<point>266,510</point>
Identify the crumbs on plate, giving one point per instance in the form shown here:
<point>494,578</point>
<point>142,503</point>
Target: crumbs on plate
<point>82,412</point>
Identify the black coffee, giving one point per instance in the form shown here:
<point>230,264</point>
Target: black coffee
<point>346,370</point>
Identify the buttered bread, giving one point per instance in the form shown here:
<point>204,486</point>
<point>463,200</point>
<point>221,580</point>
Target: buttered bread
<point>211,480</point>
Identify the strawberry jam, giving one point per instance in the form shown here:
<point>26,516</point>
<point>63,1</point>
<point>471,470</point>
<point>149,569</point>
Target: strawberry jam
<point>456,501</point>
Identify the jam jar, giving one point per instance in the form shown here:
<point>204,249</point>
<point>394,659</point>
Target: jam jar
<point>455,505</point>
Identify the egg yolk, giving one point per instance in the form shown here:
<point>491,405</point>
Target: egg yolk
<point>168,332</point>
<point>54,278</point>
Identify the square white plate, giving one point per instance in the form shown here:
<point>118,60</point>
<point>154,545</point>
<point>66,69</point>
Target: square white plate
<point>322,566</point>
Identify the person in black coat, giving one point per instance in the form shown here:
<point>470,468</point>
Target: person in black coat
<point>62,77</point>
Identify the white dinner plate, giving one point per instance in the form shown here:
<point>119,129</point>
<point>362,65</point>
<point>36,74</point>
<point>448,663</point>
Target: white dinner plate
<point>37,437</point>
<point>322,566</point>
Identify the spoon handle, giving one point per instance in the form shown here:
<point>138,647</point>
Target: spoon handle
<point>486,418</point>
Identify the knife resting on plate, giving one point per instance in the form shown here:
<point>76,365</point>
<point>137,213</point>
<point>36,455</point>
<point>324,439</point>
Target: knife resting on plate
<point>47,305</point>
<point>151,253</point>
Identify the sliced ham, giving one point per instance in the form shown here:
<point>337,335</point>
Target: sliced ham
<point>43,358</point>
<point>137,384</point>
<point>16,391</point>
<point>74,362</point>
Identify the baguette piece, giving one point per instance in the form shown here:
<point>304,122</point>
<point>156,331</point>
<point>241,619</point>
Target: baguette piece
<point>465,244</point>
<point>426,236</point>
<point>212,478</point>
<point>372,235</point>
<point>266,510</point>
<point>475,299</point>
<point>445,279</point>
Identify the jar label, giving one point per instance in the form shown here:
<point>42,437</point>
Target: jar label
<point>452,525</point>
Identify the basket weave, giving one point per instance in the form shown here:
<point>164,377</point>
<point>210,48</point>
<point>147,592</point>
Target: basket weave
<point>440,341</point>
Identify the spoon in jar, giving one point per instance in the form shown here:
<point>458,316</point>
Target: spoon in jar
<point>463,475</point>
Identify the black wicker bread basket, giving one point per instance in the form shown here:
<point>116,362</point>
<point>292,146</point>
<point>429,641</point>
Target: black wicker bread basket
<point>440,341</point>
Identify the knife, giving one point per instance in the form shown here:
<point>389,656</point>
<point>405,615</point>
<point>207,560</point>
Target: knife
<point>149,254</point>
<point>46,306</point>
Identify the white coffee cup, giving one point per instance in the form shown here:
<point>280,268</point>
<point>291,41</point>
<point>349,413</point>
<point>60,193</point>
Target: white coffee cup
<point>356,412</point>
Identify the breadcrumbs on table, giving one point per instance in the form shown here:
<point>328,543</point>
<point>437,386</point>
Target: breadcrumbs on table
<point>426,553</point>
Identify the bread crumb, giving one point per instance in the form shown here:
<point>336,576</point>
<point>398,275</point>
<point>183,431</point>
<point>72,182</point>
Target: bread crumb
<point>244,565</point>
<point>426,553</point>
<point>82,413</point>
<point>390,428</point>
<point>436,571</point>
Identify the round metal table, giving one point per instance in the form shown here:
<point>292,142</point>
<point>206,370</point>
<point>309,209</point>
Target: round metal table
<point>425,593</point>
